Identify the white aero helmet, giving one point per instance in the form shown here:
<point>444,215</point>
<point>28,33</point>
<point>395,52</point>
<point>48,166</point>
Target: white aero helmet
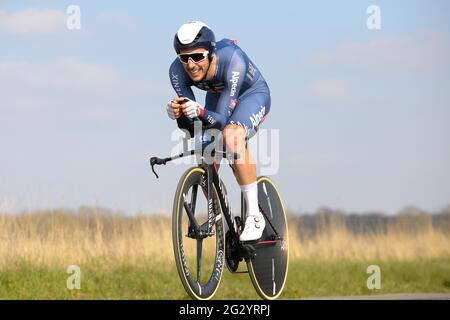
<point>194,34</point>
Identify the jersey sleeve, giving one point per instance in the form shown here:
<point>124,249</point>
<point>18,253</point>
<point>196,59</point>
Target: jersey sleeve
<point>182,86</point>
<point>234,78</point>
<point>180,81</point>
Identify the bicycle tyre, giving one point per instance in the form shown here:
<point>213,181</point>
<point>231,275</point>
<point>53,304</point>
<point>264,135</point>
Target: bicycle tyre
<point>269,268</point>
<point>195,289</point>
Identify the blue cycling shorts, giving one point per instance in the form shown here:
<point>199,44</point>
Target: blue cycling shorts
<point>248,111</point>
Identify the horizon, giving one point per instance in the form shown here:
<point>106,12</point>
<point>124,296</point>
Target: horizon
<point>361,114</point>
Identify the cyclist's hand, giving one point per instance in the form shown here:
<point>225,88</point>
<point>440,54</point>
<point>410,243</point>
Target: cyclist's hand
<point>192,109</point>
<point>173,109</point>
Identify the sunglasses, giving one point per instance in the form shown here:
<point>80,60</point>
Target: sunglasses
<point>195,57</point>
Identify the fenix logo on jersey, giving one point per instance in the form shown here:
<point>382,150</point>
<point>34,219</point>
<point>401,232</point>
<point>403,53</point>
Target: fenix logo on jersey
<point>175,82</point>
<point>234,81</point>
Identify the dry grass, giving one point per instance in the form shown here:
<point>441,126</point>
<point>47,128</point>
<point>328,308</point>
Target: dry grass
<point>406,239</point>
<point>62,238</point>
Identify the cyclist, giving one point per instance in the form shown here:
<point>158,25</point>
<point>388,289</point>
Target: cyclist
<point>237,100</point>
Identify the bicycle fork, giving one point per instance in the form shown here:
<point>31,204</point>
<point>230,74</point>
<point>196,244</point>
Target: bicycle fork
<point>195,230</point>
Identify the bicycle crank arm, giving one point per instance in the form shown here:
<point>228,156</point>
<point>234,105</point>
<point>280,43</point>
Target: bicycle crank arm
<point>246,251</point>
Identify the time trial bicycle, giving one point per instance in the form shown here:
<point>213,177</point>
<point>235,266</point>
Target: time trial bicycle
<point>205,232</point>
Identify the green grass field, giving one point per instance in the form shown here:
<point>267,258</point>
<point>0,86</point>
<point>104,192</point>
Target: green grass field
<point>124,257</point>
<point>153,281</point>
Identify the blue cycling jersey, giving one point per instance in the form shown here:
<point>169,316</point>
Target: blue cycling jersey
<point>236,84</point>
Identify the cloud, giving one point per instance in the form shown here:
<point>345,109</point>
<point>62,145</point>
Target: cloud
<point>63,73</point>
<point>422,51</point>
<point>36,89</point>
<point>118,19</point>
<point>33,22</point>
<point>328,91</point>
<point>31,85</point>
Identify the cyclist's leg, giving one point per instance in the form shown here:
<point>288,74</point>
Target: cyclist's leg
<point>243,124</point>
<point>250,112</point>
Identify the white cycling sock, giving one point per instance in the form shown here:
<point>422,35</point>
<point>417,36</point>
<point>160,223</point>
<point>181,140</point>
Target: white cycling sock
<point>250,192</point>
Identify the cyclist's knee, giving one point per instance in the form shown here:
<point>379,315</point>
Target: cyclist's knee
<point>234,137</point>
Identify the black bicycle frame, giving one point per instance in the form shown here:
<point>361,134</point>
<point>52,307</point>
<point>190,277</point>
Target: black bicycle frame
<point>212,180</point>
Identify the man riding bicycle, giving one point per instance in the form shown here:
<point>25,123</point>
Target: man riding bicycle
<point>237,101</point>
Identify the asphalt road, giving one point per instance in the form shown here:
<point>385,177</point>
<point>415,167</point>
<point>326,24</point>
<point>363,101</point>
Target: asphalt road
<point>396,296</point>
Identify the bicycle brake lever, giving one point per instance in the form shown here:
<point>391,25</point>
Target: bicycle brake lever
<point>155,160</point>
<point>152,163</point>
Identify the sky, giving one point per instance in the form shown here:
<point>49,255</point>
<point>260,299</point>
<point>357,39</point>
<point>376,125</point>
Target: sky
<point>359,118</point>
